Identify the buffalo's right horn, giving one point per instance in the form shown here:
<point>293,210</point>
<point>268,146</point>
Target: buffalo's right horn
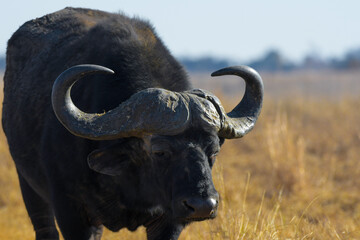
<point>242,118</point>
<point>138,116</point>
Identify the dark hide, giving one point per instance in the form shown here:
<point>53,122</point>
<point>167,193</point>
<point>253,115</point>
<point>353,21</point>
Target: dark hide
<point>85,184</point>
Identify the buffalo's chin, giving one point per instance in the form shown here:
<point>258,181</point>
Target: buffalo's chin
<point>164,227</point>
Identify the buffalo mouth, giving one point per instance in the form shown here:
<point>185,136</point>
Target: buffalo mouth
<point>198,219</point>
<point>183,220</point>
<point>183,217</point>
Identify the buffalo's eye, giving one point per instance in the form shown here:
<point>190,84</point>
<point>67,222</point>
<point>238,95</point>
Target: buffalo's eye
<point>160,150</point>
<point>161,154</point>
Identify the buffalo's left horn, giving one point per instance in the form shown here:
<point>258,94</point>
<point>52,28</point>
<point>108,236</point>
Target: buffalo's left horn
<point>242,118</point>
<point>137,116</point>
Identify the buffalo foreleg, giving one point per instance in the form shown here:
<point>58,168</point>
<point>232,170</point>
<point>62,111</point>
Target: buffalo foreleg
<point>39,211</point>
<point>72,218</point>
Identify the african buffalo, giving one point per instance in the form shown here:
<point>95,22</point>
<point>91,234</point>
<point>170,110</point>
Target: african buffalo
<point>140,150</point>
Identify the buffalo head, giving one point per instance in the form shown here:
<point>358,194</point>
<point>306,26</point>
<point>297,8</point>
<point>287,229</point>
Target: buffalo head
<point>173,140</point>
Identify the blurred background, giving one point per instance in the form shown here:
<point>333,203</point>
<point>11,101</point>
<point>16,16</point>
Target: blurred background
<point>297,174</point>
<point>275,36</point>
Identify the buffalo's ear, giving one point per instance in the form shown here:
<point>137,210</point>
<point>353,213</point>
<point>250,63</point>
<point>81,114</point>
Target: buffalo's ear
<point>110,160</point>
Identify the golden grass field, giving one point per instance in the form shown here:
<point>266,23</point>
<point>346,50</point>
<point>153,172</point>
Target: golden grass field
<point>295,176</point>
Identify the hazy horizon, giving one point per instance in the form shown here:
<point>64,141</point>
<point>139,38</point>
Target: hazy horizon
<point>237,30</point>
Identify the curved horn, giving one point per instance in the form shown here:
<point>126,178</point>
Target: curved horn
<point>138,116</point>
<point>242,118</point>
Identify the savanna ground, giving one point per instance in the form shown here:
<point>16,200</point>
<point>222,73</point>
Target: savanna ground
<point>295,176</point>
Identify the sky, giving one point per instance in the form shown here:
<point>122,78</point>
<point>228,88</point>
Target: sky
<point>238,30</point>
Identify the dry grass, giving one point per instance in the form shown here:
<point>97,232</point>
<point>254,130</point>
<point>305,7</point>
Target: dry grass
<point>296,176</point>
